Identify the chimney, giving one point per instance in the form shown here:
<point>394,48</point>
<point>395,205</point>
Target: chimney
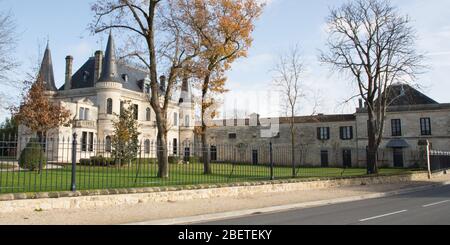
<point>98,65</point>
<point>68,81</point>
<point>162,83</point>
<point>360,104</point>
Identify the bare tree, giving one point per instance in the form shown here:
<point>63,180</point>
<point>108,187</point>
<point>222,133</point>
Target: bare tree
<point>158,39</point>
<point>375,44</point>
<point>288,71</point>
<point>8,41</point>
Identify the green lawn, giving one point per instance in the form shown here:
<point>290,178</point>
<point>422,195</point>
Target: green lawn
<point>144,175</point>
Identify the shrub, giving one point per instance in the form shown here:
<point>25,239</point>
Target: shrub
<point>102,161</point>
<point>32,156</point>
<point>192,160</point>
<point>99,161</point>
<point>145,161</point>
<point>85,162</point>
<point>174,160</point>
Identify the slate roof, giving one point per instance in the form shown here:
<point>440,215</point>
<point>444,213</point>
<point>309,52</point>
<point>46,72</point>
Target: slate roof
<point>320,118</point>
<point>84,77</point>
<point>109,69</point>
<point>112,70</point>
<point>404,95</point>
<point>46,71</point>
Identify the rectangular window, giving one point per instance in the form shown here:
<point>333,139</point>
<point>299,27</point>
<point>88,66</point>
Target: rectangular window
<point>122,104</point>
<point>425,126</point>
<point>84,141</point>
<point>81,114</point>
<point>232,136</point>
<point>186,121</point>
<point>396,125</point>
<point>86,114</point>
<point>175,147</point>
<point>346,133</point>
<point>175,119</point>
<point>148,115</point>
<point>323,133</point>
<point>91,142</point>
<point>136,112</point>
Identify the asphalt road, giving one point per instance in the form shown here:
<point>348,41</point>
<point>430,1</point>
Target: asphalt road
<point>431,207</point>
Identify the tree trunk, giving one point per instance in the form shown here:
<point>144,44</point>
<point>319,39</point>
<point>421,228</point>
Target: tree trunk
<point>162,155</point>
<point>372,148</point>
<point>205,148</point>
<point>42,138</point>
<point>293,148</point>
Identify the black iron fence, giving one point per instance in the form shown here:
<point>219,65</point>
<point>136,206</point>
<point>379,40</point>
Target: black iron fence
<point>36,165</point>
<point>439,160</point>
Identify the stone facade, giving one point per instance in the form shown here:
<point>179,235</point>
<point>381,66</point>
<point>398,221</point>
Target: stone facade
<point>336,149</point>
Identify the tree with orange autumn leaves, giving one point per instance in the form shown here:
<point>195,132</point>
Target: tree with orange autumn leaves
<point>38,113</point>
<point>224,29</point>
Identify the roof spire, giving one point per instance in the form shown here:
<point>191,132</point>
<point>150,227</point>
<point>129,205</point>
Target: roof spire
<point>46,71</point>
<point>109,71</point>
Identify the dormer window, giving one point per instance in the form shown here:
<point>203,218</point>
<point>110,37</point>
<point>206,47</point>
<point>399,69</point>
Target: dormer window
<point>125,77</point>
<point>85,76</point>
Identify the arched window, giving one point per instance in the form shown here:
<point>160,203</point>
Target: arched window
<point>147,147</point>
<point>148,116</point>
<point>109,106</point>
<point>108,147</point>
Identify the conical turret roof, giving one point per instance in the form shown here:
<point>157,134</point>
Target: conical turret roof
<point>46,71</point>
<point>109,70</point>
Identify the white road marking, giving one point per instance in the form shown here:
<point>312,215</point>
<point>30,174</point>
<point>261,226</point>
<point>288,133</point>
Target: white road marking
<point>383,215</point>
<point>434,204</point>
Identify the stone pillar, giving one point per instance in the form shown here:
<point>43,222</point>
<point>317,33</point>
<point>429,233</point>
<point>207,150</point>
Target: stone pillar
<point>98,65</point>
<point>424,155</point>
<point>68,80</point>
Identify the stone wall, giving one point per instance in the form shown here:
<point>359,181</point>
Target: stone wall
<point>108,198</point>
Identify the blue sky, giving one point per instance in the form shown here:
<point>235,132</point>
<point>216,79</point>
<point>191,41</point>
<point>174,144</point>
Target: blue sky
<point>283,24</point>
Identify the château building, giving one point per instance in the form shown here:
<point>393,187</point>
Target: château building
<point>95,94</point>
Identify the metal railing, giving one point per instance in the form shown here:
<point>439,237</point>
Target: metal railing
<point>439,160</point>
<point>64,164</point>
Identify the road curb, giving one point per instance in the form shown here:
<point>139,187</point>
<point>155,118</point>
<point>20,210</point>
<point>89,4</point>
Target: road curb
<point>242,213</point>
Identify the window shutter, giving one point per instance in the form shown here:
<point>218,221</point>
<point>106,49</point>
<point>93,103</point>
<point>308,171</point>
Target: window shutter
<point>341,132</point>
<point>318,134</point>
<point>328,134</point>
<point>351,132</point>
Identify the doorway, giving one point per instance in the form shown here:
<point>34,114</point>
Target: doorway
<point>324,159</point>
<point>398,158</point>
<point>213,153</point>
<point>347,158</point>
<point>255,157</point>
